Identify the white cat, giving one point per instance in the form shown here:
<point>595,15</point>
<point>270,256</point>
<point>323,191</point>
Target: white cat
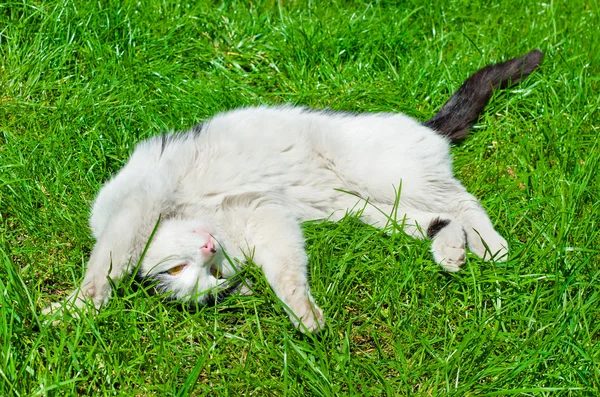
<point>240,184</point>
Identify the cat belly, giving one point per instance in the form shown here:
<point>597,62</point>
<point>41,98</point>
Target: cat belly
<point>316,163</point>
<point>380,157</point>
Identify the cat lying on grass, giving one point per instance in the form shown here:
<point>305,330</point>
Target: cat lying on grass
<point>241,183</point>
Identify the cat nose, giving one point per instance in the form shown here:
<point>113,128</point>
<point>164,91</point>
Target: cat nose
<point>209,247</point>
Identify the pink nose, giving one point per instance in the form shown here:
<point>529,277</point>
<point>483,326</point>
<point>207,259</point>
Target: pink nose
<point>209,247</point>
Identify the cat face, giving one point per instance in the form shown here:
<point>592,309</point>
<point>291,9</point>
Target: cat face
<point>186,260</point>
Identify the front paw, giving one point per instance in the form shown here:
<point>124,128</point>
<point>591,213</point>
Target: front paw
<point>56,311</point>
<point>245,288</point>
<point>309,318</point>
<point>75,304</point>
<point>54,308</point>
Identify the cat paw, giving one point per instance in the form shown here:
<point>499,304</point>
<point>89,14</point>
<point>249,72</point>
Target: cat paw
<point>246,288</point>
<point>56,310</point>
<point>311,320</point>
<point>71,303</point>
<point>74,304</point>
<point>448,248</point>
<point>489,246</point>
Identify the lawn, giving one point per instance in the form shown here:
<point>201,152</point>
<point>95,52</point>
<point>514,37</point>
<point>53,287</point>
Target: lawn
<point>82,82</point>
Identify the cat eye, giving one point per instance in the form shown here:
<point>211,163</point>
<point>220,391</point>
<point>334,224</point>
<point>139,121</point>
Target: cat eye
<point>176,270</point>
<point>216,273</point>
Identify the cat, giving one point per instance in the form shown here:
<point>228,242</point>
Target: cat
<point>239,184</point>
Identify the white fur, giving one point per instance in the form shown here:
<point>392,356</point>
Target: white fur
<point>251,175</point>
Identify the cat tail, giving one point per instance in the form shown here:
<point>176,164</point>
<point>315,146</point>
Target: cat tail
<point>461,111</point>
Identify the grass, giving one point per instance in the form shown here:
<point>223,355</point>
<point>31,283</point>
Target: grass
<point>82,82</point>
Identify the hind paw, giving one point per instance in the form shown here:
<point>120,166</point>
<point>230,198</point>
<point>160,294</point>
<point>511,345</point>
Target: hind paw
<point>489,246</point>
<point>448,248</point>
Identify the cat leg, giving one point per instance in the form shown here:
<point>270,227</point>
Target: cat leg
<point>482,238</point>
<point>445,231</point>
<point>122,240</point>
<point>95,288</point>
<point>275,239</point>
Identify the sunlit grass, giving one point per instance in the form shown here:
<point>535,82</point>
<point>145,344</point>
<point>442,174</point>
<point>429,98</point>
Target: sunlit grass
<point>82,82</point>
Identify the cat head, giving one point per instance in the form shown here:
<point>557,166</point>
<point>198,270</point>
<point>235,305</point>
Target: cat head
<point>186,261</point>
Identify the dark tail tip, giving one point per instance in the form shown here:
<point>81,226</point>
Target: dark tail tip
<point>461,111</point>
<point>518,69</point>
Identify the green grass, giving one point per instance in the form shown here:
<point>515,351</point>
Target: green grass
<point>82,82</point>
